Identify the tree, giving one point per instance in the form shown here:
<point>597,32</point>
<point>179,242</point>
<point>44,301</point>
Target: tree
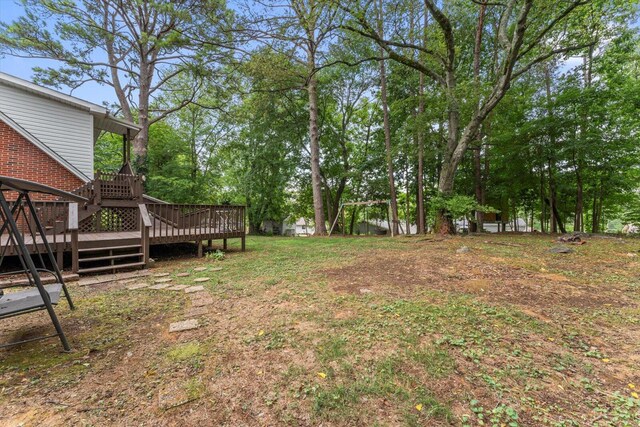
<point>299,29</point>
<point>525,35</point>
<point>136,47</point>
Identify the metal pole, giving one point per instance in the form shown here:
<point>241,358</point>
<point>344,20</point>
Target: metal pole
<point>335,220</point>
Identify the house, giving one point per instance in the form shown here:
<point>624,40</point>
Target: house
<point>48,137</point>
<point>300,227</point>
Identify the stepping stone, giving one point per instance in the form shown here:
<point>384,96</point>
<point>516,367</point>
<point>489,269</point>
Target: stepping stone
<point>201,299</point>
<point>177,288</point>
<point>160,286</point>
<point>124,282</point>
<point>161,275</point>
<point>173,394</point>
<point>201,279</point>
<point>137,286</point>
<point>192,289</point>
<point>561,250</point>
<point>185,325</point>
<point>201,269</point>
<point>165,280</point>
<point>183,275</point>
<point>217,269</point>
<point>197,311</point>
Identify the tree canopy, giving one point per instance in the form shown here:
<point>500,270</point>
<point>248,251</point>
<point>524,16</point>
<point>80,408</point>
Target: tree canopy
<point>452,109</point>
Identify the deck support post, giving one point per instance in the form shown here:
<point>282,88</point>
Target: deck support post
<point>209,243</point>
<point>60,255</point>
<point>200,249</point>
<point>145,226</point>
<point>243,243</point>
<point>73,227</point>
<point>224,244</point>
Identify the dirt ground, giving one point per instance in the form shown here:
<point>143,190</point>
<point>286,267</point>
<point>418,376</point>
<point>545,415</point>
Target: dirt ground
<point>346,332</point>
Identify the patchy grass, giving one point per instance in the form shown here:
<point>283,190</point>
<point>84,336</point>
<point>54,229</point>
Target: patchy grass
<point>350,331</point>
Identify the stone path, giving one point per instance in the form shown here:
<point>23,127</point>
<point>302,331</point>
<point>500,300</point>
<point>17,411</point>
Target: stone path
<point>105,278</point>
<point>200,298</point>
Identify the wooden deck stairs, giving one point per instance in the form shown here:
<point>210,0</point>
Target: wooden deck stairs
<point>113,206</point>
<point>110,256</point>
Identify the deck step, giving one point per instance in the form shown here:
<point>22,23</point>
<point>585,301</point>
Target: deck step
<point>108,248</point>
<point>103,258</point>
<point>110,267</point>
<point>46,280</point>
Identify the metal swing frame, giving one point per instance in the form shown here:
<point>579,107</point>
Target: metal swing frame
<point>9,212</point>
<point>366,204</point>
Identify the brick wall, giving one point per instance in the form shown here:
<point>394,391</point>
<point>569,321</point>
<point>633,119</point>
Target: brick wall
<point>19,158</point>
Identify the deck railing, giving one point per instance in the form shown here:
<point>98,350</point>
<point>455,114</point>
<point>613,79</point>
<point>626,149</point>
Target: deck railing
<point>54,217</point>
<point>117,186</point>
<point>169,223</point>
<point>179,221</point>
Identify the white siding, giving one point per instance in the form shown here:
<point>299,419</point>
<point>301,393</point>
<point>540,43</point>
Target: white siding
<point>66,130</point>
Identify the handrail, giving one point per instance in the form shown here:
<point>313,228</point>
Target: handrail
<point>144,213</point>
<point>144,231</point>
<point>171,222</point>
<point>73,216</point>
<point>73,227</point>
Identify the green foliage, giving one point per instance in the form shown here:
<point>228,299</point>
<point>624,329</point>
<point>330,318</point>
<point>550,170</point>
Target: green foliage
<point>216,255</point>
<point>459,206</point>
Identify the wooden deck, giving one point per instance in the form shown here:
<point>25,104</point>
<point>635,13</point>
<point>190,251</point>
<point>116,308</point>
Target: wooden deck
<point>162,236</point>
<point>119,223</point>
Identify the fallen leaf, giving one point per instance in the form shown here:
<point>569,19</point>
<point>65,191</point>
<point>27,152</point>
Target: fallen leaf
<point>634,394</point>
<point>322,375</point>
<point>261,333</point>
<point>632,386</point>
<point>605,360</point>
<point>419,407</point>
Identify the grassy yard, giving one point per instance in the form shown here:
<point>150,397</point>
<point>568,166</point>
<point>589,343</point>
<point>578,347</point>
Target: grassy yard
<point>349,332</point>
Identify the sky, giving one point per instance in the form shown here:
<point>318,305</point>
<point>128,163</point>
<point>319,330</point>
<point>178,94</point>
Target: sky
<point>92,91</point>
<point>22,67</point>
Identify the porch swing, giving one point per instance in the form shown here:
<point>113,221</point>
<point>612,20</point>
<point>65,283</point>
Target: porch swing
<point>22,230</point>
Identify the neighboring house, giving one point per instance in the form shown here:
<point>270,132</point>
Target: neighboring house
<point>48,137</point>
<point>301,227</point>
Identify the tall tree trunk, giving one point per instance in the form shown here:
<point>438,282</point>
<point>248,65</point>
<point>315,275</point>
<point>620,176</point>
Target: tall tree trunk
<point>420,217</point>
<point>420,175</point>
<point>577,221</point>
<point>316,180</point>
<point>543,206</point>
<point>555,219</point>
<point>387,133</point>
<point>407,219</point>
<point>552,198</point>
<point>477,161</point>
